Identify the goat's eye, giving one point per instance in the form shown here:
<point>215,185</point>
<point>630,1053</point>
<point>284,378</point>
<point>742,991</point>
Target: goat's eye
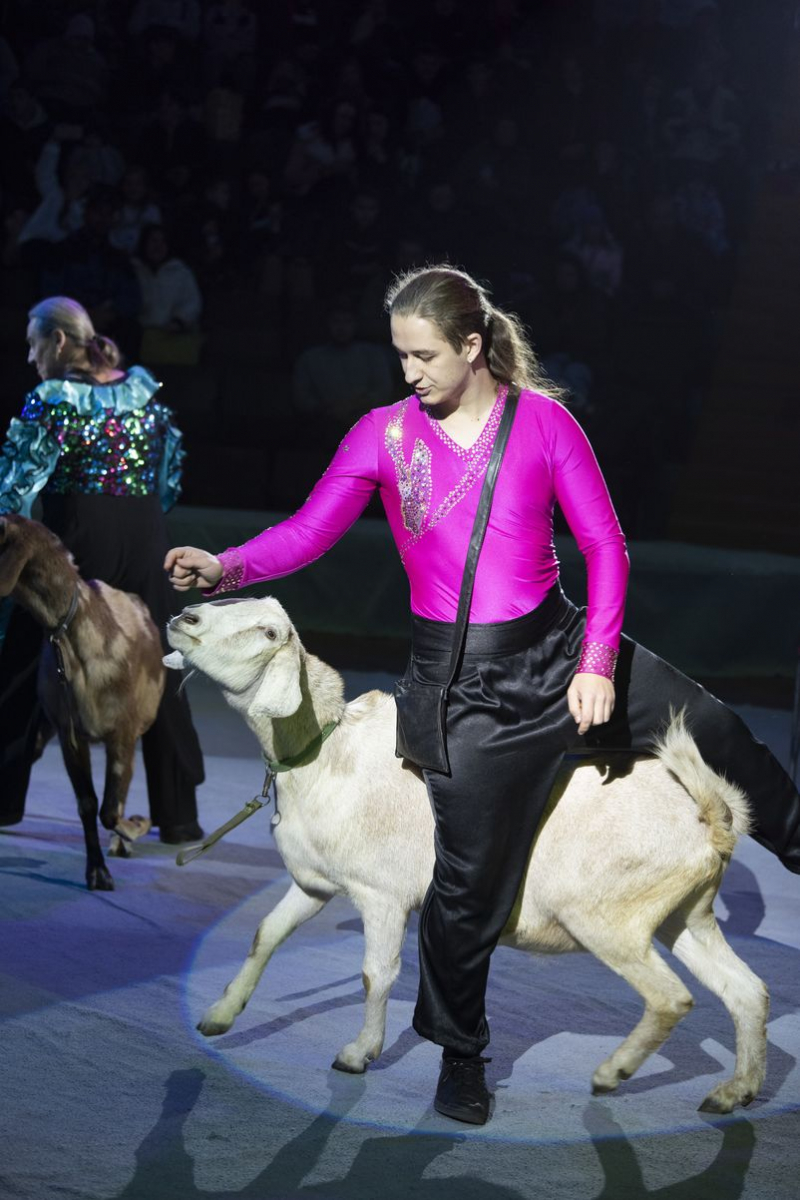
<point>271,633</point>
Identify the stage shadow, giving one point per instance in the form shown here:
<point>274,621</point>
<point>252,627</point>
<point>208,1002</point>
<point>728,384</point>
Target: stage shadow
<point>395,1167</point>
<point>724,1179</point>
<point>389,1167</point>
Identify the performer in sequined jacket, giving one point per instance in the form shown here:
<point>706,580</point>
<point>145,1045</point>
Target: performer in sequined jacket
<point>98,448</point>
<point>538,678</point>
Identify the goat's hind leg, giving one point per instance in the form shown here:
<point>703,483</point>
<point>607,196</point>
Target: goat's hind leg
<point>292,910</point>
<point>119,772</point>
<point>384,930</point>
<point>630,954</point>
<point>78,762</point>
<point>694,937</point>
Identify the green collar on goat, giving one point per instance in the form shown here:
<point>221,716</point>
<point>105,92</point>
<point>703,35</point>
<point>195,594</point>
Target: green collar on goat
<point>274,767</point>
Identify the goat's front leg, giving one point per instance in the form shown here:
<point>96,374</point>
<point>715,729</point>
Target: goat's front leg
<point>384,931</point>
<point>120,750</point>
<point>78,762</point>
<point>292,910</point>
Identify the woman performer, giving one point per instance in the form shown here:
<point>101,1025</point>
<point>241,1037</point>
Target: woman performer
<point>537,677</point>
<point>101,449</point>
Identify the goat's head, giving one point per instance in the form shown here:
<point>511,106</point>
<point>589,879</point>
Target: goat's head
<point>15,551</point>
<point>25,543</point>
<point>243,645</point>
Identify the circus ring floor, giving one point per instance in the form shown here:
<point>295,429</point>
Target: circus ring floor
<point>108,1090</point>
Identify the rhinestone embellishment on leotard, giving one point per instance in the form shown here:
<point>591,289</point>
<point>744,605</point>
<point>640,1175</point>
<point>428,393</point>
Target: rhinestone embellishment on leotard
<point>413,479</point>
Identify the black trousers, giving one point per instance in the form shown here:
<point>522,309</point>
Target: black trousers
<point>121,540</point>
<point>508,729</point>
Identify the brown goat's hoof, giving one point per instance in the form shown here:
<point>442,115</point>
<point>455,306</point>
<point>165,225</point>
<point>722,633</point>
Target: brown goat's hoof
<point>118,847</point>
<point>98,879</point>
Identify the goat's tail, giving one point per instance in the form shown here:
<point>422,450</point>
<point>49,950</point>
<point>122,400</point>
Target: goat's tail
<point>722,805</point>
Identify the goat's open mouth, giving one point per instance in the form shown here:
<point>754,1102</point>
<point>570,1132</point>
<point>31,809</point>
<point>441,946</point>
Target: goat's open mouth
<point>176,627</point>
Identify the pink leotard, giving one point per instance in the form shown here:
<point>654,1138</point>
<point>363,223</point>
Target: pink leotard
<point>430,486</point>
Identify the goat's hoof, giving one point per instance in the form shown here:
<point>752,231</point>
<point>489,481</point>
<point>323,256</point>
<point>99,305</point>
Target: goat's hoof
<point>118,848</point>
<point>212,1028</point>
<point>725,1099</point>
<point>603,1089</point>
<point>339,1064</point>
<point>606,1079</point>
<point>98,879</point>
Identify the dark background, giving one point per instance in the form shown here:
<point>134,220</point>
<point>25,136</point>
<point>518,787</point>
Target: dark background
<point>625,173</point>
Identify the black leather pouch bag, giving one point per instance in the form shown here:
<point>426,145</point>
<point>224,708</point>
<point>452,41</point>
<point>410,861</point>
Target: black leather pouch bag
<point>422,724</point>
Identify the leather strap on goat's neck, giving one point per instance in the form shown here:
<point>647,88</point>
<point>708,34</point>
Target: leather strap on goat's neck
<point>56,636</point>
<point>274,767</point>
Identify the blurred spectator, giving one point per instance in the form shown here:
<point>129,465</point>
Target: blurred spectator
<point>569,112</point>
<point>224,116</point>
<point>172,137</point>
<point>377,165</point>
<point>338,380</point>
<point>137,209</point>
<point>595,246</point>
<point>699,210</point>
<point>424,117</point>
<point>230,36</point>
<point>162,62</point>
<point>89,268</point>
<point>68,73</point>
<point>171,301</point>
<point>9,68</point>
<point>100,158</point>
<point>446,223</point>
<point>322,151</point>
<point>359,248</point>
<point>61,208</point>
<point>702,125</point>
<point>23,129</point>
<point>261,222</point>
<point>664,258</point>
<point>570,317</point>
<point>182,16</point>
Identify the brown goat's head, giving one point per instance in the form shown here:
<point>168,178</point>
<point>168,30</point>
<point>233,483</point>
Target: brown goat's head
<point>21,540</point>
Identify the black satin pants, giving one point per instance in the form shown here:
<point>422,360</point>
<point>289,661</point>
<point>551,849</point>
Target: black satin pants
<point>508,729</point>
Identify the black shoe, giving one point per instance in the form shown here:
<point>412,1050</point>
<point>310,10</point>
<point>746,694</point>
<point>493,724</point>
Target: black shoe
<point>461,1092</point>
<point>173,834</point>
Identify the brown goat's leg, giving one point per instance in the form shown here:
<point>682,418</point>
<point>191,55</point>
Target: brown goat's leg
<point>79,768</point>
<point>119,771</point>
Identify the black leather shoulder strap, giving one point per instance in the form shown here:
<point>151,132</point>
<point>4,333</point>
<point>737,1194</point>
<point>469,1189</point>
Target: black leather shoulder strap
<point>479,528</point>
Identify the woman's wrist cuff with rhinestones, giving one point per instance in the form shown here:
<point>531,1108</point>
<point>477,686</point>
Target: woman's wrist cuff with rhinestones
<point>232,572</point>
<point>597,659</point>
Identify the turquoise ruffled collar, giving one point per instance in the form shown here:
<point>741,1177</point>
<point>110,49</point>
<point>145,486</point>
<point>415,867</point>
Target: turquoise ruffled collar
<point>126,395</point>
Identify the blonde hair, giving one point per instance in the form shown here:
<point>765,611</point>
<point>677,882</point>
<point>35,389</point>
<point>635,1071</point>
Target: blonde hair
<point>60,312</point>
<point>458,305</point>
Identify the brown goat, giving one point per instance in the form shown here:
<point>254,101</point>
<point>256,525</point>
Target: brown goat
<point>107,685</point>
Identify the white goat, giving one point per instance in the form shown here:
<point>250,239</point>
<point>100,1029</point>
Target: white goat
<point>612,865</point>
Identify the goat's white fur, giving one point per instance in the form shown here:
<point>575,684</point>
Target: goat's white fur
<point>614,863</point>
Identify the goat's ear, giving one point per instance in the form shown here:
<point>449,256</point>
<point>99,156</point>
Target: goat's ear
<point>279,693</point>
<point>12,559</point>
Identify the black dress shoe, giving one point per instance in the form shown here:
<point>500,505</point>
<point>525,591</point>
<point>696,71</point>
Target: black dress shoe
<point>174,834</point>
<point>462,1093</point>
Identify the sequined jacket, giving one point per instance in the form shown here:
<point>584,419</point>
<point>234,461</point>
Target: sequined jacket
<point>112,438</point>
